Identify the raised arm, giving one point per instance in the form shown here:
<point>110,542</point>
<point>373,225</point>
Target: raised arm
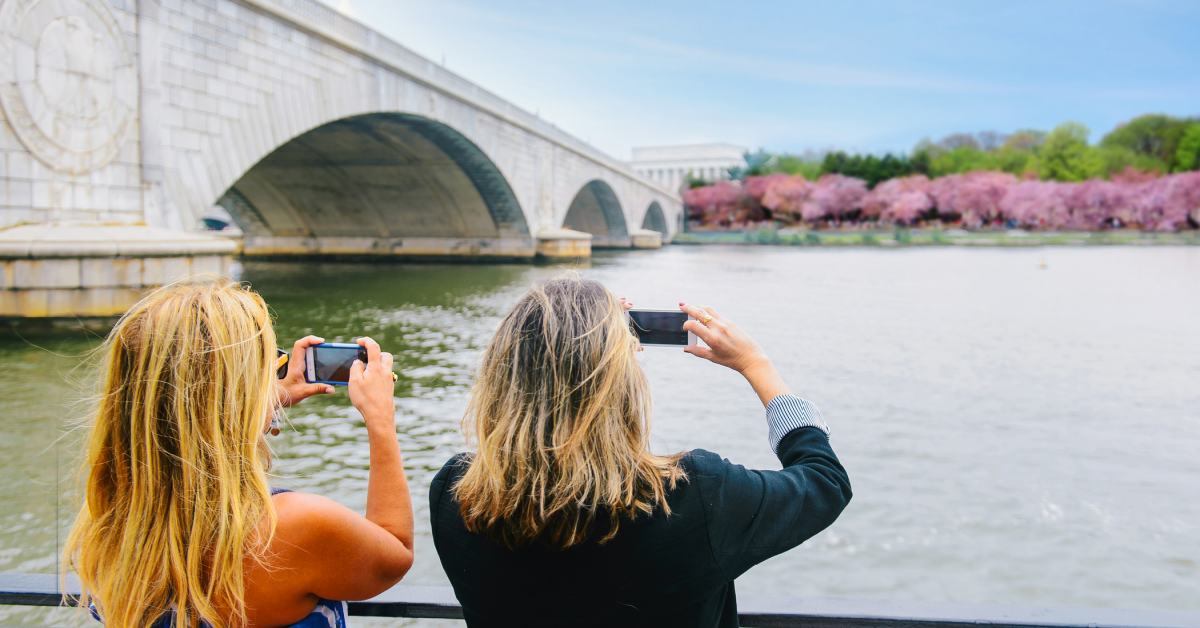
<point>729,346</point>
<point>333,551</point>
<point>753,515</point>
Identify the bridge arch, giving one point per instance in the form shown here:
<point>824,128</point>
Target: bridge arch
<point>378,183</point>
<point>655,220</point>
<point>597,210</point>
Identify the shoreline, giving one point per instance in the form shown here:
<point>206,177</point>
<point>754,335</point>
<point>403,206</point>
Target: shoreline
<point>937,237</point>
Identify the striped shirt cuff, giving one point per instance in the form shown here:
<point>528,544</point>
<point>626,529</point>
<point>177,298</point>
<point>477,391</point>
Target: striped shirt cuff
<point>788,412</point>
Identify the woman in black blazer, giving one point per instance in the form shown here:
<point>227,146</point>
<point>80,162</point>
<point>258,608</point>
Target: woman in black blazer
<point>563,516</point>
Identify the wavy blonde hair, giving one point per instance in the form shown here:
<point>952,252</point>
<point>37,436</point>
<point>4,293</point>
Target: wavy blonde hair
<point>176,496</point>
<point>561,413</point>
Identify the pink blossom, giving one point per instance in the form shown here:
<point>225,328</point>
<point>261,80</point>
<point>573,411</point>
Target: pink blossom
<point>1132,198</point>
<point>756,187</point>
<point>714,204</point>
<point>975,196</point>
<point>1040,204</point>
<point>834,195</point>
<point>1095,202</point>
<point>785,194</point>
<point>1165,203</point>
<point>902,199</point>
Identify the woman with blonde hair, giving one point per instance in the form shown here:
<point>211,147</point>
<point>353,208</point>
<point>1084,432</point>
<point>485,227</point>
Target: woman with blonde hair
<point>563,517</point>
<point>179,527</point>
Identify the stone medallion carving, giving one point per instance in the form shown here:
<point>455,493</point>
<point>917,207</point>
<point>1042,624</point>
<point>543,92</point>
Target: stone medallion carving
<point>68,83</point>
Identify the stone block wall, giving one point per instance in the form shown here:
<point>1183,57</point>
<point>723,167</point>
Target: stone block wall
<point>91,287</point>
<point>31,191</point>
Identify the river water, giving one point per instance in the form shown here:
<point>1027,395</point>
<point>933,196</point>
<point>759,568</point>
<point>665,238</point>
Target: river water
<point>1014,434</point>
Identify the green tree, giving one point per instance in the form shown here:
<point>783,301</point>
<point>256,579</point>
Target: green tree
<point>959,160</point>
<point>1018,161</point>
<point>793,165</point>
<point>1153,135</point>
<point>869,168</point>
<point>1064,156</point>
<point>1187,156</point>
<point>757,163</point>
<point>1026,139</point>
<point>920,162</point>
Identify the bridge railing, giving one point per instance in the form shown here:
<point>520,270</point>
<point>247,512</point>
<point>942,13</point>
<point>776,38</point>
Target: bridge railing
<point>753,610</point>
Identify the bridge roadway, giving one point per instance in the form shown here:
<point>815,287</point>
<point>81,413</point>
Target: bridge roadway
<point>319,135</point>
<point>753,610</point>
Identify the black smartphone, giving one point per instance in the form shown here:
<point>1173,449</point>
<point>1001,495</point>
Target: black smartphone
<point>661,328</point>
<point>330,362</point>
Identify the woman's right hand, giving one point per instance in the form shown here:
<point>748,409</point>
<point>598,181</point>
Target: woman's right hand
<point>372,387</point>
<point>729,346</point>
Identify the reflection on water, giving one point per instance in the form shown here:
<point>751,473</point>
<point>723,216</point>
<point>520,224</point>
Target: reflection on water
<point>1014,435</point>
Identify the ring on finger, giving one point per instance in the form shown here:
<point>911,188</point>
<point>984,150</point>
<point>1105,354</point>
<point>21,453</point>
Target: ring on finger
<point>707,318</point>
<point>395,377</point>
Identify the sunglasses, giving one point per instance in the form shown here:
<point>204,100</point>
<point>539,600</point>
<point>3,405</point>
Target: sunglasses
<point>281,363</point>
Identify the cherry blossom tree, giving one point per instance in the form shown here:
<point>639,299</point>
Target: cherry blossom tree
<point>1166,203</point>
<point>901,200</point>
<point>834,196</point>
<point>1132,198</point>
<point>715,204</point>
<point>783,195</point>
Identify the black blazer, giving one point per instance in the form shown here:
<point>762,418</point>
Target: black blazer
<point>658,571</point>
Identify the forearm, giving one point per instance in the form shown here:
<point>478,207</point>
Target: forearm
<point>765,380</point>
<point>388,503</point>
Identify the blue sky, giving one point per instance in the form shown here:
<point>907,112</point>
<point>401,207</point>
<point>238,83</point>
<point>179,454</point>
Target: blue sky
<point>867,76</point>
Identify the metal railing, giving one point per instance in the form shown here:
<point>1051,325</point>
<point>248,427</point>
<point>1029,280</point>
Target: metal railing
<point>753,610</point>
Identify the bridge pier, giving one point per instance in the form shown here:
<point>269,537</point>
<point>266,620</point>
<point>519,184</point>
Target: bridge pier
<point>563,244</point>
<point>646,239</point>
<point>64,275</point>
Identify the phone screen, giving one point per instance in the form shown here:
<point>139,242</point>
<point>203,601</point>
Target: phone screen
<point>332,363</point>
<point>659,328</point>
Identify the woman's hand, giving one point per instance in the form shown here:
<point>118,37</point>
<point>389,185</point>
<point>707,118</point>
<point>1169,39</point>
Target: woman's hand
<point>629,306</point>
<point>729,346</point>
<point>293,388</point>
<point>373,389</point>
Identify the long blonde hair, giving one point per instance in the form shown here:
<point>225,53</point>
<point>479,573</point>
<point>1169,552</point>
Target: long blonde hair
<point>176,494</point>
<point>561,412</point>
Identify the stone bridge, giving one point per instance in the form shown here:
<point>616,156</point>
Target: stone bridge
<point>317,134</point>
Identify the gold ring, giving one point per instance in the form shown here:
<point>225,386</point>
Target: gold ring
<point>707,318</point>
<point>395,377</point>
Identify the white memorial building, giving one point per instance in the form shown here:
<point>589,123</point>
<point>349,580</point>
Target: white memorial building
<point>670,165</point>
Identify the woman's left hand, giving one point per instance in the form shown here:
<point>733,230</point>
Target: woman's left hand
<point>294,388</point>
<point>629,306</point>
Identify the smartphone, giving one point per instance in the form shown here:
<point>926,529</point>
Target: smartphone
<point>661,328</point>
<point>330,362</point>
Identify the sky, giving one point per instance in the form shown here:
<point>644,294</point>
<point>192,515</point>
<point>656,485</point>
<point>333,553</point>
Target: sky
<point>861,76</point>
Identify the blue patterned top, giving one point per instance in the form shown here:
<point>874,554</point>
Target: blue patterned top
<point>327,614</point>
